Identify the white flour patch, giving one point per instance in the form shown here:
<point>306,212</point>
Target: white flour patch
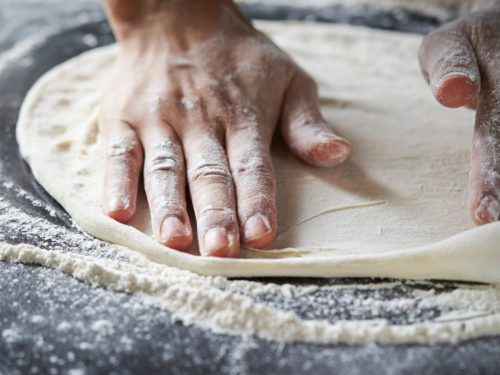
<point>19,51</point>
<point>272,311</point>
<point>187,103</point>
<point>154,104</point>
<point>90,40</point>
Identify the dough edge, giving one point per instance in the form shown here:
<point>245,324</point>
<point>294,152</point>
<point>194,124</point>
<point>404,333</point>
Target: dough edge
<point>473,255</point>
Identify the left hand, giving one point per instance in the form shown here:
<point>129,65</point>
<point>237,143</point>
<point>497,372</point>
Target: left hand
<point>194,99</point>
<point>461,62</point>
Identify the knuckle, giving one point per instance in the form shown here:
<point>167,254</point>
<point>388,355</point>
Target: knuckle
<point>210,173</point>
<point>163,206</point>
<point>245,119</point>
<point>423,50</point>
<point>123,148</point>
<point>219,211</point>
<point>432,42</point>
<point>258,202</point>
<point>305,80</point>
<point>249,124</point>
<point>216,214</point>
<point>163,163</point>
<point>255,169</point>
<point>429,38</point>
<point>233,91</point>
<point>165,158</point>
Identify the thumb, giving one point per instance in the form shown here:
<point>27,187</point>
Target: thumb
<point>304,128</point>
<point>449,64</point>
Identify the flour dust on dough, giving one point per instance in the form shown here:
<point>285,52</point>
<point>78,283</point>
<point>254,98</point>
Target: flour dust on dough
<point>397,208</point>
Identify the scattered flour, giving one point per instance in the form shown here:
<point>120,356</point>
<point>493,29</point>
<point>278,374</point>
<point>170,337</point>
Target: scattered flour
<point>187,103</point>
<point>154,104</point>
<point>442,10</point>
<point>237,307</point>
<point>337,311</point>
<point>21,49</point>
<point>90,40</point>
<point>330,311</point>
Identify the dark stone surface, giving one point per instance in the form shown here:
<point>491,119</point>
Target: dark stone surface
<point>51,323</point>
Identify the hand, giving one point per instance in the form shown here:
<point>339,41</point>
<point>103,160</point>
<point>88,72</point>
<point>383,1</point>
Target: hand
<point>198,91</point>
<point>461,61</point>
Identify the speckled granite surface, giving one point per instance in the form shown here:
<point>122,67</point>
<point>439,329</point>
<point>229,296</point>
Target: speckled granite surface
<point>51,323</point>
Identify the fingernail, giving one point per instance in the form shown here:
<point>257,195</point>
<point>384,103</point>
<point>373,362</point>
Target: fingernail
<point>118,204</point>
<point>343,148</point>
<point>256,227</point>
<point>215,240</point>
<point>172,228</point>
<point>119,209</point>
<point>335,152</point>
<point>488,210</point>
<point>455,89</point>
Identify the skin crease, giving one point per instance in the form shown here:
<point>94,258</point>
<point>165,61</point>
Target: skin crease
<point>190,107</point>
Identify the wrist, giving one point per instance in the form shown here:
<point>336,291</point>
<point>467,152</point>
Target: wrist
<point>485,4</point>
<point>171,19</point>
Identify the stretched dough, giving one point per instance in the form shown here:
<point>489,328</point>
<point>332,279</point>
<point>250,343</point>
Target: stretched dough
<point>397,208</point>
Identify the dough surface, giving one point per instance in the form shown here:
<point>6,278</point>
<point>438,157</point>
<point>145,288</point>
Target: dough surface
<point>397,208</point>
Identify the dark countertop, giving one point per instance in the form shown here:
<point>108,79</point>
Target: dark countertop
<point>52,323</point>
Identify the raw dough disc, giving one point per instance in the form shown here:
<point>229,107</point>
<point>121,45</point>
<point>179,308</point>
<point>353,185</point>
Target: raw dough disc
<point>397,208</point>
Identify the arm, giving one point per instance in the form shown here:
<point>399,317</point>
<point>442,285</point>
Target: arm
<point>484,4</point>
<point>461,62</point>
<point>195,97</point>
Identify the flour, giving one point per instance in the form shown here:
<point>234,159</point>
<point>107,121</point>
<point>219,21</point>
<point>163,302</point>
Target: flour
<point>11,335</point>
<point>329,311</point>
<point>423,231</point>
<point>90,40</point>
<point>25,25</point>
<point>20,50</point>
<point>187,103</point>
<point>154,104</point>
<point>46,234</point>
<point>264,309</point>
<point>216,304</point>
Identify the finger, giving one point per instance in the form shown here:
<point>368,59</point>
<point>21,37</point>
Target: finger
<point>304,128</point>
<point>165,185</point>
<point>212,194</point>
<point>253,175</point>
<point>449,65</point>
<point>122,171</point>
<point>484,189</point>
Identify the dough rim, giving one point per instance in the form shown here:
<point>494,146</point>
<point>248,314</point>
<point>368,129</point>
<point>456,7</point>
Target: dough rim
<point>469,256</point>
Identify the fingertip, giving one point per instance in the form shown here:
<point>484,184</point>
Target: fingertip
<point>329,153</point>
<point>119,210</point>
<point>258,231</point>
<point>218,242</point>
<point>487,210</point>
<point>472,104</point>
<point>175,234</point>
<point>456,90</point>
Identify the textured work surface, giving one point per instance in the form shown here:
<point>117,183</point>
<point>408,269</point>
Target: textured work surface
<point>50,322</point>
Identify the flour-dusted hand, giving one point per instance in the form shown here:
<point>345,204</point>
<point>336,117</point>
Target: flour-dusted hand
<point>198,91</point>
<point>461,61</point>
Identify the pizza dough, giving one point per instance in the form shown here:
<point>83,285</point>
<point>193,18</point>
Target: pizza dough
<point>397,208</point>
